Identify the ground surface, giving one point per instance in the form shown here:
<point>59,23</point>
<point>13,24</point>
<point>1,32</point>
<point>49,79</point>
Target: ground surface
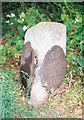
<point>65,103</point>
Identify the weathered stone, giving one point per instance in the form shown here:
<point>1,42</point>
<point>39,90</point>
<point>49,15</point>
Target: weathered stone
<point>49,75</point>
<point>48,40</point>
<point>44,35</point>
<point>38,94</point>
<point>27,65</point>
<point>53,69</point>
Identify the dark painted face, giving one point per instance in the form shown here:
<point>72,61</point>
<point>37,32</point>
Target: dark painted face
<point>26,53</point>
<point>53,68</point>
<point>27,50</point>
<point>26,63</point>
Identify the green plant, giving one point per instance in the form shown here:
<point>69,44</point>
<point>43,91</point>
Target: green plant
<point>8,97</point>
<point>12,105</point>
<point>73,21</point>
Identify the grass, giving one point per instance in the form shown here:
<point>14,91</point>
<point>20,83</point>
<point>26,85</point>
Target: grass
<point>67,102</point>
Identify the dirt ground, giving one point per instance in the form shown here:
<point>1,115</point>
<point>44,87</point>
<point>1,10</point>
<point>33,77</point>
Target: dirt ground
<point>64,103</point>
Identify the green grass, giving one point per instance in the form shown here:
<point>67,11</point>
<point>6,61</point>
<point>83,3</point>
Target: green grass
<point>12,105</point>
<point>68,101</point>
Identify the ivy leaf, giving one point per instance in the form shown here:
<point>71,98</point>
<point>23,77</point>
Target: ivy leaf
<point>79,61</point>
<point>2,60</point>
<point>20,30</point>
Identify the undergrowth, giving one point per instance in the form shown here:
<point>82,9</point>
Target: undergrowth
<point>13,106</point>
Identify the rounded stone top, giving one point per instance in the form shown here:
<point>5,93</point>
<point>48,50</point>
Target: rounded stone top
<point>45,35</point>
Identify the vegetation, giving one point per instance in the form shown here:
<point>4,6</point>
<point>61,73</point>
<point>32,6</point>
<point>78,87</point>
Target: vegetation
<point>17,18</point>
